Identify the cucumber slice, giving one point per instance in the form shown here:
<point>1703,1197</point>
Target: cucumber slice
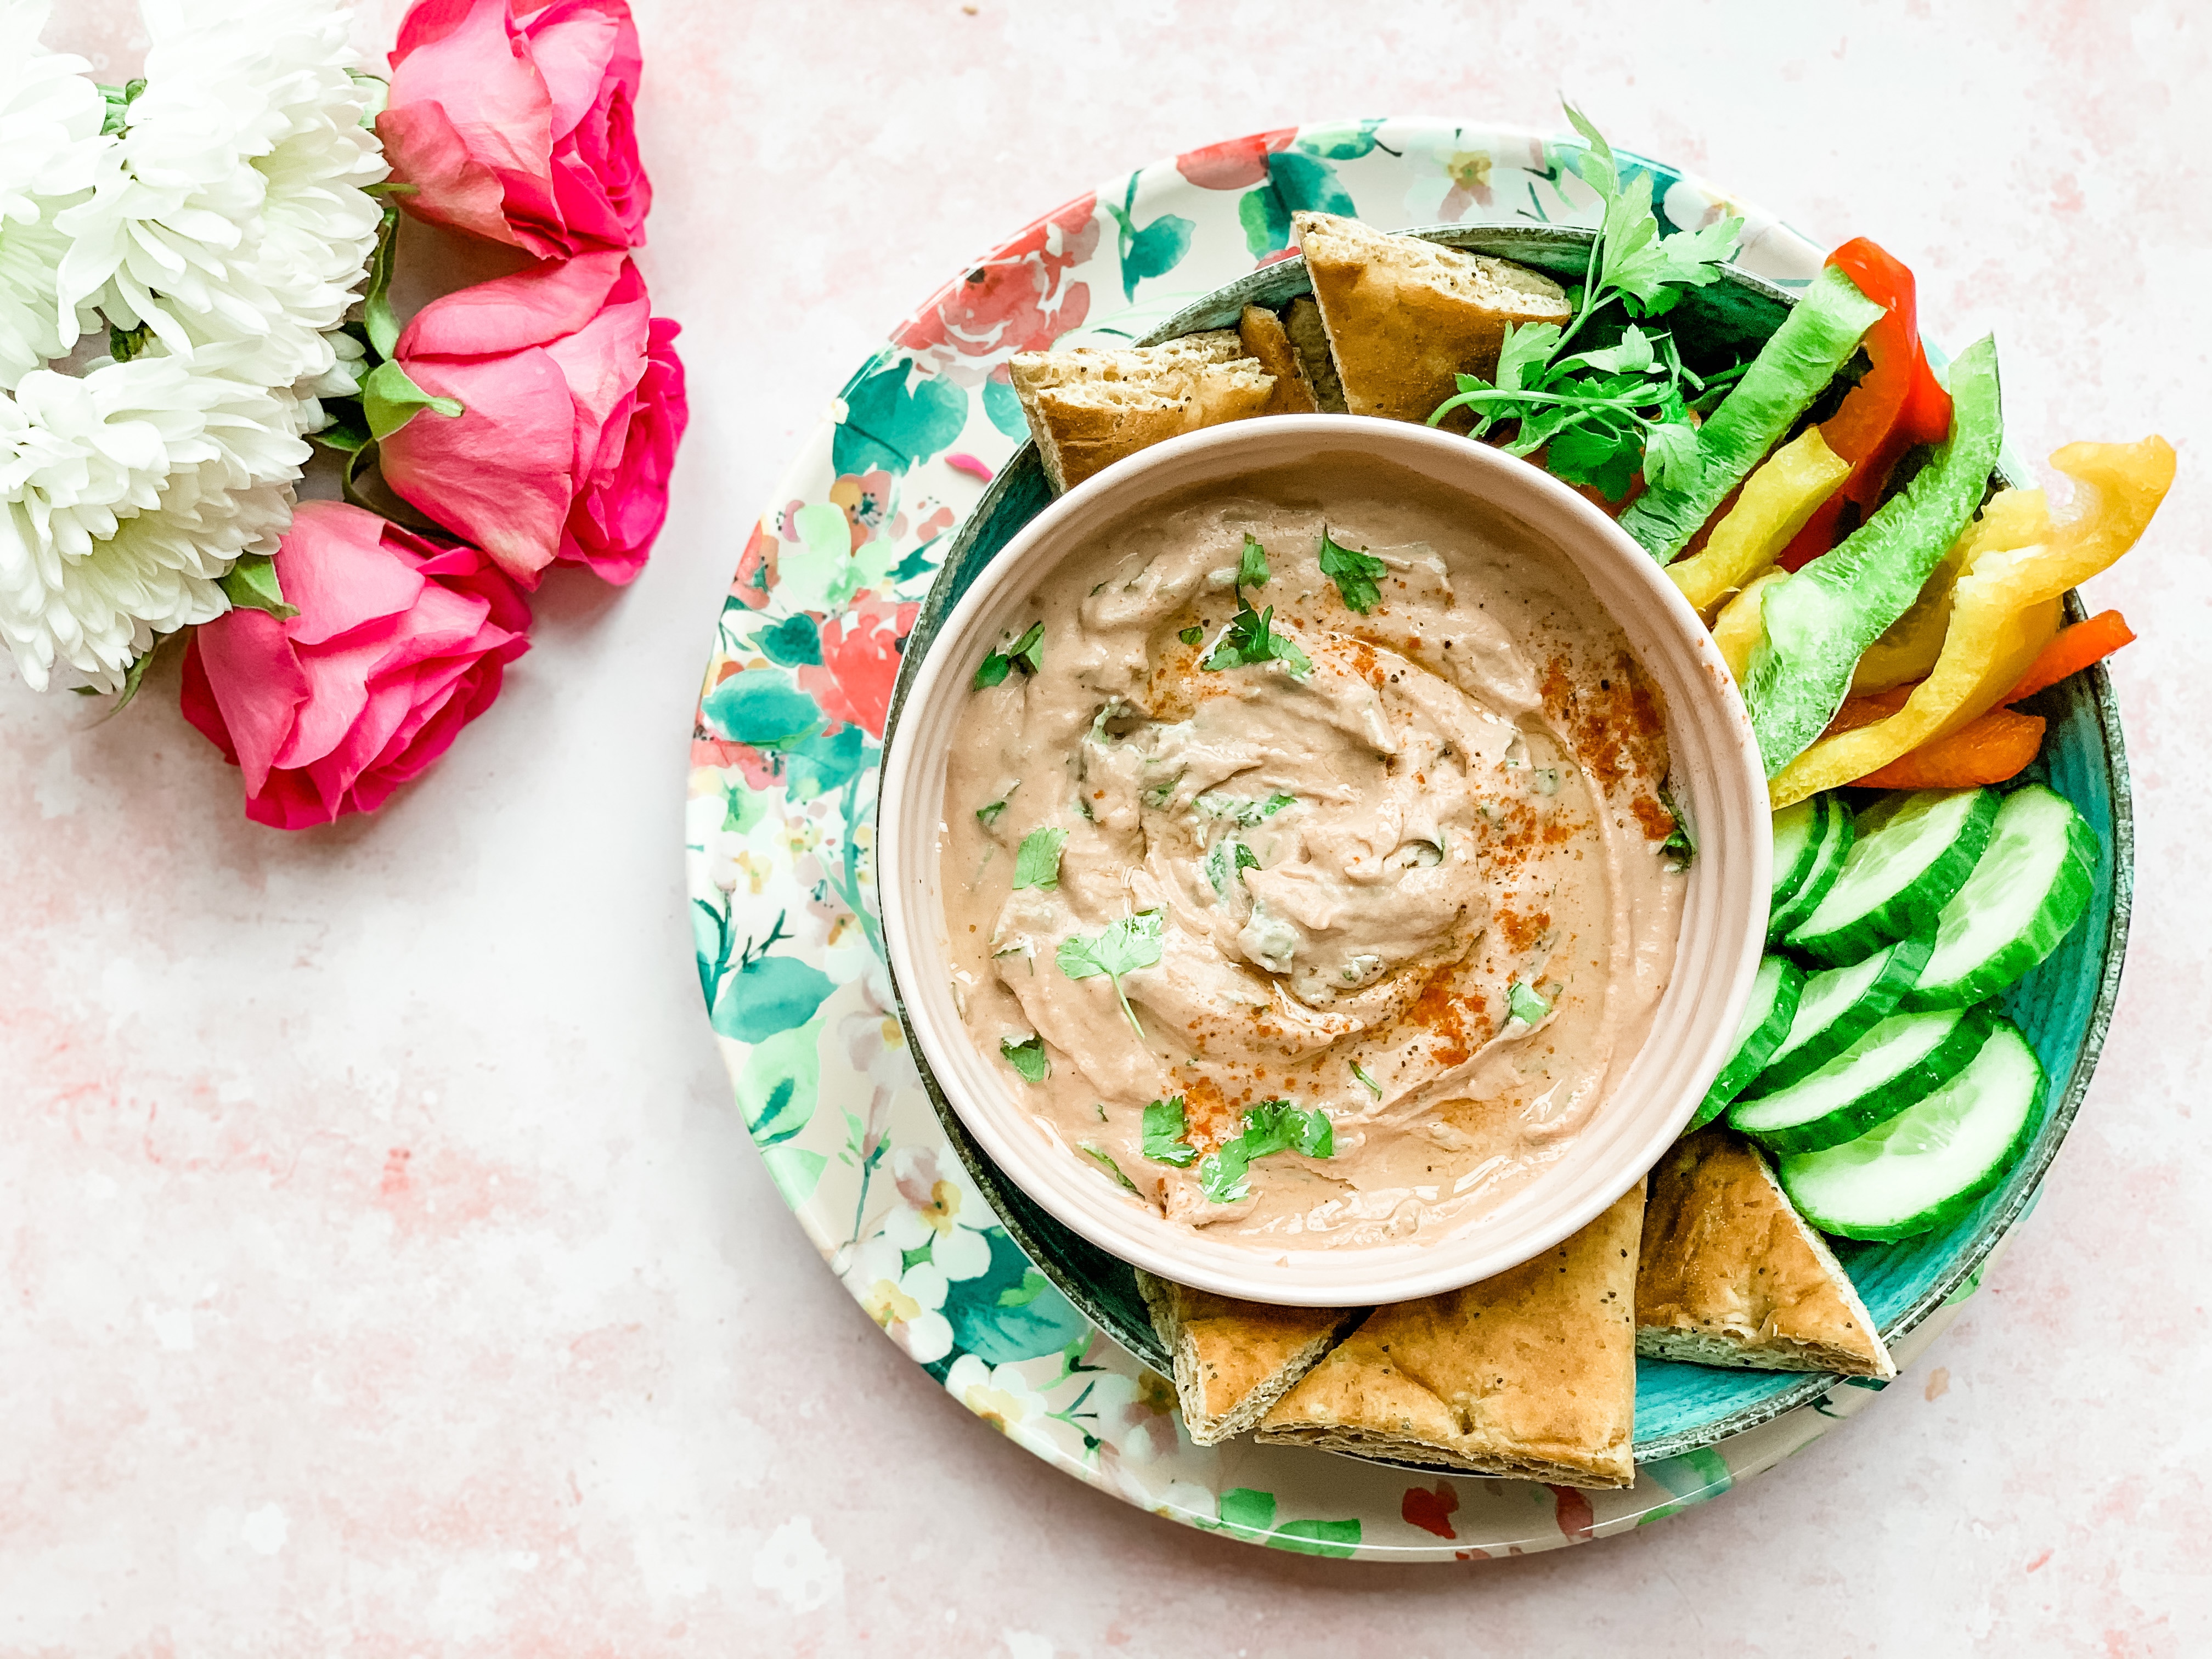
<point>1926,1166</point>
<point>1912,855</point>
<point>1766,1017</point>
<point>1797,831</point>
<point>1837,833</point>
<point>2030,889</point>
<point>1838,1008</point>
<point>1897,1065</point>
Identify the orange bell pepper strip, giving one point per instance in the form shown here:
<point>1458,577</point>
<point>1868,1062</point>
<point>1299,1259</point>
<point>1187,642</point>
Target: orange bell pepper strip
<point>2004,611</point>
<point>1997,746</point>
<point>2078,646</point>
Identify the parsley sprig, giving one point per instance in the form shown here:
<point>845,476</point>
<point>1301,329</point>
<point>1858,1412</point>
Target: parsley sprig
<point>1130,944</point>
<point>1602,413</point>
<point>1026,653</point>
<point>1250,638</point>
<point>1272,1126</point>
<point>1028,1057</point>
<point>1354,574</point>
<point>1252,564</point>
<point>1037,863</point>
<point>1167,1130</point>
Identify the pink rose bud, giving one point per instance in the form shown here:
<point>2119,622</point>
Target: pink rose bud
<point>399,642</point>
<point>519,131</point>
<point>572,401</point>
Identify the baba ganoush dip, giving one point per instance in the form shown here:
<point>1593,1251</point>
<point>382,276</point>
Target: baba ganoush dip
<point>1307,865</point>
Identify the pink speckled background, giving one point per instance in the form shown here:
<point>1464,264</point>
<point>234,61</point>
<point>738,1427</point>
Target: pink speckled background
<point>386,1269</point>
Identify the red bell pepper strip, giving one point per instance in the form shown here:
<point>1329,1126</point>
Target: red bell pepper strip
<point>2072,649</point>
<point>1899,404</point>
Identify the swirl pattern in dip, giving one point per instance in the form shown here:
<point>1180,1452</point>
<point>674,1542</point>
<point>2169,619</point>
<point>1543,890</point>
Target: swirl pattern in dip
<point>1324,907</point>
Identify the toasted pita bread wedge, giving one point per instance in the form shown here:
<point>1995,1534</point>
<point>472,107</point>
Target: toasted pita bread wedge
<point>1731,1275</point>
<point>1531,1374</point>
<point>1310,338</point>
<point>1405,317</point>
<point>1087,409</point>
<point>1266,341</point>
<point>1234,1359</point>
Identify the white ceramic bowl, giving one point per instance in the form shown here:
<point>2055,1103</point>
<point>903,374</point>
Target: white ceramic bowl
<point>1716,777</point>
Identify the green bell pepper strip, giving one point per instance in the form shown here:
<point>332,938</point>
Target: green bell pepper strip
<point>1817,623</point>
<point>1792,369</point>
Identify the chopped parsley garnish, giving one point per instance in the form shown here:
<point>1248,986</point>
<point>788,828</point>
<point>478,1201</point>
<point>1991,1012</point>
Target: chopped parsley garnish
<point>1166,1124</point>
<point>1192,634</point>
<point>1367,1082</point>
<point>1130,944</point>
<point>1028,1057</point>
<point>1228,857</point>
<point>1272,1126</point>
<point>1246,812</point>
<point>988,815</point>
<point>1026,653</point>
<point>1682,845</point>
<point>1356,575</point>
<point>1521,1003</point>
<point>1037,863</point>
<point>1250,638</point>
<point>1104,1160</point>
<point>1252,564</point>
<point>1601,416</point>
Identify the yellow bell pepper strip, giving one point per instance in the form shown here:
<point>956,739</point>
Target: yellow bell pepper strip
<point>1792,369</point>
<point>1738,630</point>
<point>1773,506</point>
<point>1821,620</point>
<point>2005,609</point>
<point>2013,518</point>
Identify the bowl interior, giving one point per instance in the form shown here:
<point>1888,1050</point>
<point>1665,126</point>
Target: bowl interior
<point>1715,775</point>
<point>2064,1006</point>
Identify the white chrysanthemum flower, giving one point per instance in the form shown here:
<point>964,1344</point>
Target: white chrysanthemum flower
<point>230,209</point>
<point>50,142</point>
<point>227,220</point>
<point>125,496</point>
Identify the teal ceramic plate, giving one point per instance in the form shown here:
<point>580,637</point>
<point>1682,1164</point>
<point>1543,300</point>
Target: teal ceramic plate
<point>841,578</point>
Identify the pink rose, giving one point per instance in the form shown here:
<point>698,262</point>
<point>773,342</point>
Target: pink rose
<point>518,130</point>
<point>573,403</point>
<point>399,644</point>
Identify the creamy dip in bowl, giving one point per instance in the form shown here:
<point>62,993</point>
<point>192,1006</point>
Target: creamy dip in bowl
<point>1285,861</point>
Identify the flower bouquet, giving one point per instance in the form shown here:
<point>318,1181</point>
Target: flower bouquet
<point>197,328</point>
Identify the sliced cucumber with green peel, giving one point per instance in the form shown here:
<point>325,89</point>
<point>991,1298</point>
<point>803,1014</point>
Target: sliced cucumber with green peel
<point>1832,847</point>
<point>2032,886</point>
<point>1797,831</point>
<point>1926,1166</point>
<point>1912,855</point>
<point>1766,1017</point>
<point>1840,1005</point>
<point>1894,1066</point>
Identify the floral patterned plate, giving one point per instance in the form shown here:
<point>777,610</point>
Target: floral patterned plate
<point>788,733</point>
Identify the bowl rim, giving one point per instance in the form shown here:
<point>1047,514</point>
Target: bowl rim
<point>1585,534</point>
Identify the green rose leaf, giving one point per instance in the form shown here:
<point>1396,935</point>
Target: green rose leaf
<point>251,584</point>
<point>390,399</point>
